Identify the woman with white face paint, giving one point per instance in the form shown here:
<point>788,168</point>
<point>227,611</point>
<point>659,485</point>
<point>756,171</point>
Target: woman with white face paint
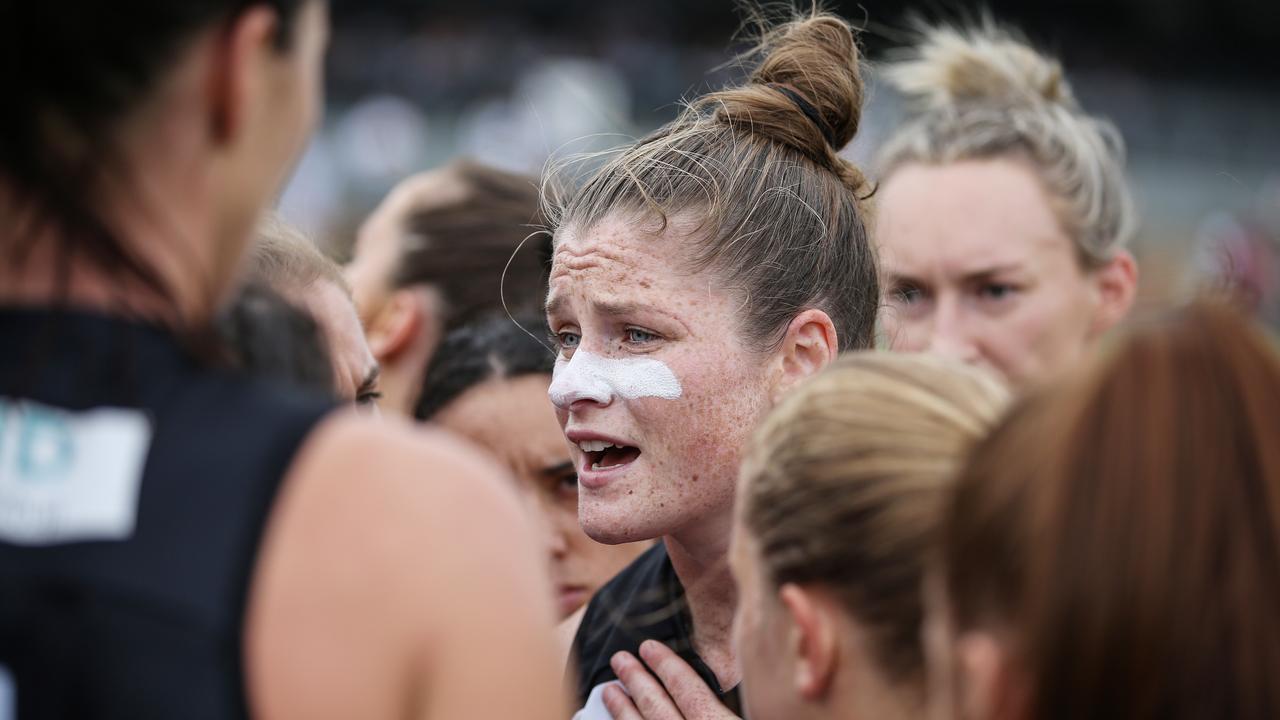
<point>697,277</point>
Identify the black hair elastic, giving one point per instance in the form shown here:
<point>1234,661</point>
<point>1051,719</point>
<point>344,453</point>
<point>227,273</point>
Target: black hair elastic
<point>809,111</point>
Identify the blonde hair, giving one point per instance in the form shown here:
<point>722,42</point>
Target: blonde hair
<point>285,260</point>
<point>776,212</point>
<point>846,481</point>
<point>982,92</point>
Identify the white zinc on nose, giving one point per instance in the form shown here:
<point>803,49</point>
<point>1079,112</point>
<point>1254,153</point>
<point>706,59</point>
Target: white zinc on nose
<point>590,377</point>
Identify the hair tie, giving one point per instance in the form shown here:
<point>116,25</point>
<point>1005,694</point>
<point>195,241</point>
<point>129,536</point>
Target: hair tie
<point>809,111</point>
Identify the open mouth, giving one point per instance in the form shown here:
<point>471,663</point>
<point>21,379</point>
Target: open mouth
<point>601,455</point>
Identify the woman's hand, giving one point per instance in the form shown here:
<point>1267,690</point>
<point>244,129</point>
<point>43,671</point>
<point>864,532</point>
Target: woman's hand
<point>677,693</point>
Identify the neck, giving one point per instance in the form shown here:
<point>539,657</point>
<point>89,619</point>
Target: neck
<point>51,275</point>
<point>861,690</point>
<point>700,558</point>
<point>155,208</point>
<point>405,367</point>
<point>401,383</point>
<point>401,380</point>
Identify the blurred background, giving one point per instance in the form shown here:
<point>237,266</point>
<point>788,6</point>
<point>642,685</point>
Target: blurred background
<point>415,83</point>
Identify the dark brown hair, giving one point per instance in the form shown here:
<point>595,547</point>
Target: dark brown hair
<point>777,212</point>
<point>845,481</point>
<point>461,242</point>
<point>1124,530</point>
<point>71,75</point>
<point>493,348</point>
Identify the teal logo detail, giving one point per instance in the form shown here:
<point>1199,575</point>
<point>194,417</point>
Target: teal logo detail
<point>45,446</point>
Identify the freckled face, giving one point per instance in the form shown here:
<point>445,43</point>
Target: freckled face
<point>980,270</point>
<point>618,291</point>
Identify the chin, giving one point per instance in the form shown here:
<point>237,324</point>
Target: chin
<point>614,522</point>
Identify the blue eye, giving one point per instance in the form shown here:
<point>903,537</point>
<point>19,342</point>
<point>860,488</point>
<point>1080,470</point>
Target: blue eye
<point>568,340</point>
<point>635,335</point>
<point>908,294</point>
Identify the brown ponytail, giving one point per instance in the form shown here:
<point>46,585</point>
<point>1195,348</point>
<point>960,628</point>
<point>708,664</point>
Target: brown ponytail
<point>810,67</point>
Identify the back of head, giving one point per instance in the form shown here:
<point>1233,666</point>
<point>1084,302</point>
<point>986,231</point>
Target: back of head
<point>72,76</point>
<point>472,232</point>
<point>285,260</point>
<point>846,480</point>
<point>272,338</point>
<point>982,92</point>
<point>1124,530</point>
<point>752,174</point>
<point>496,347</point>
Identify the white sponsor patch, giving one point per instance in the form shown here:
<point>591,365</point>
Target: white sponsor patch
<point>69,476</point>
<point>589,377</point>
<point>595,708</point>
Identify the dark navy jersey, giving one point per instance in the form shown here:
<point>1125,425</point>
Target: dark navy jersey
<point>135,485</point>
<point>643,602</point>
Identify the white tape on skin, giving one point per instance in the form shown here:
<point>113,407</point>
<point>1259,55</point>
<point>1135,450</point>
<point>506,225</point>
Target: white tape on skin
<point>589,377</point>
<point>595,708</point>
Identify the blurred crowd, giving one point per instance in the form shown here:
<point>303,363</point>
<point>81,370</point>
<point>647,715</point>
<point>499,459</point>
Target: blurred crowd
<point>792,403</point>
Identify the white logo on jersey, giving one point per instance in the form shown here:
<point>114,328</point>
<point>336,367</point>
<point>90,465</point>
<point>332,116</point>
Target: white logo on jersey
<point>69,476</point>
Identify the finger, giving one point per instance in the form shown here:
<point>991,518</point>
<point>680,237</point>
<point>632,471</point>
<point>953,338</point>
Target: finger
<point>692,696</point>
<point>619,705</point>
<point>646,692</point>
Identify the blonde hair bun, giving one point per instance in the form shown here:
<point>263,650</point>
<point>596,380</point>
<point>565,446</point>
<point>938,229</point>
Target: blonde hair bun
<point>983,92</point>
<point>982,64</point>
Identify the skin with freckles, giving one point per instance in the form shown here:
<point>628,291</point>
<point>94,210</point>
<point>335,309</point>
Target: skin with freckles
<point>620,290</point>
<point>512,420</point>
<point>980,269</point>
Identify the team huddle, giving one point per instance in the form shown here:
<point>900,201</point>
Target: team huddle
<point>725,427</point>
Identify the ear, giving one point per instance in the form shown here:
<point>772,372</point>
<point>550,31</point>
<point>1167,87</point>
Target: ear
<point>233,85</point>
<point>1116,284</point>
<point>809,345</point>
<point>985,685</point>
<point>814,640</point>
<point>401,321</point>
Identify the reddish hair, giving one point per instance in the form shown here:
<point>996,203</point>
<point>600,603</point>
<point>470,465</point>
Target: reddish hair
<point>1124,529</point>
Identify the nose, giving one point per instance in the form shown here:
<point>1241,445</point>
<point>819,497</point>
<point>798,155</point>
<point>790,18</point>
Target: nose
<point>951,337</point>
<point>557,536</point>
<point>578,380</point>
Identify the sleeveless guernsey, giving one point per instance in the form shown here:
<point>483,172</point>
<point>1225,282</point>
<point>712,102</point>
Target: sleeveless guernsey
<point>643,602</point>
<point>134,490</point>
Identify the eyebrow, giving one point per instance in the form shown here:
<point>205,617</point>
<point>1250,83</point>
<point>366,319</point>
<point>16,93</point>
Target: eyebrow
<point>897,277</point>
<point>614,309</point>
<point>566,466</point>
<point>553,305</point>
<point>370,378</point>
<point>989,271</point>
<point>611,309</point>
